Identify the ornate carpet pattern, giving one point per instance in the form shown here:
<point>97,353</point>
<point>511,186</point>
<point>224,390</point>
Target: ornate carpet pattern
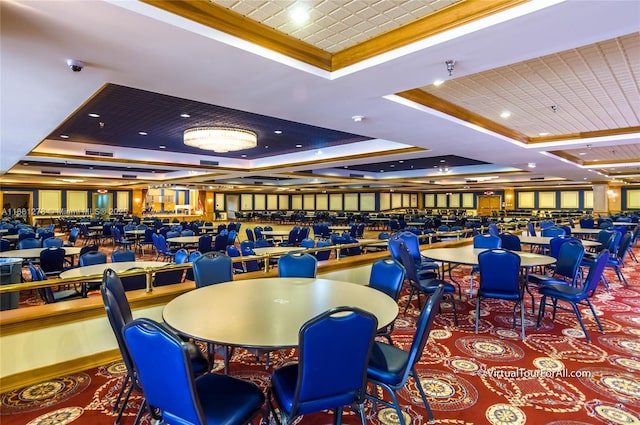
<point>554,377</point>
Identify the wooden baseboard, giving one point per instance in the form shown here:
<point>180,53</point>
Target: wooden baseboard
<point>34,376</point>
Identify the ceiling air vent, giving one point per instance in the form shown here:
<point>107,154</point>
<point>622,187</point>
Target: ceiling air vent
<point>55,173</point>
<point>98,153</point>
<point>205,162</point>
<point>129,176</point>
<point>471,181</point>
<point>258,183</point>
<point>536,178</point>
<point>356,175</point>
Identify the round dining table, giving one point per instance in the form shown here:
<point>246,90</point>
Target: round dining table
<point>30,253</point>
<point>98,269</point>
<point>545,240</point>
<point>267,313</point>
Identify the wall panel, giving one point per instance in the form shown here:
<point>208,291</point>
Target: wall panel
<point>322,202</point>
<point>396,200</point>
<point>296,202</point>
<point>429,200</point>
<point>260,202</point>
<point>367,202</point>
<point>335,202</point>
<point>385,201</point>
<point>283,202</point>
<point>588,199</point>
<point>122,201</point>
<point>526,200</point>
<point>77,202</point>
<point>546,200</point>
<point>351,202</point>
<point>309,202</point>
<point>467,200</point>
<point>49,200</point>
<point>569,199</point>
<point>454,200</point>
<point>246,202</point>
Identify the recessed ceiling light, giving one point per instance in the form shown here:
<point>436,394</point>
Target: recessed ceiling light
<point>185,115</point>
<point>438,83</point>
<point>532,165</point>
<point>392,165</point>
<point>142,133</point>
<point>346,166</point>
<point>505,114</point>
<point>278,131</point>
<point>401,161</point>
<point>299,15</point>
<point>64,136</point>
<point>582,153</point>
<point>266,146</point>
<point>319,152</point>
<point>94,115</point>
<point>442,160</point>
<point>382,171</point>
<point>298,146</point>
<point>244,155</point>
<point>543,134</point>
<point>162,147</point>
<point>357,118</point>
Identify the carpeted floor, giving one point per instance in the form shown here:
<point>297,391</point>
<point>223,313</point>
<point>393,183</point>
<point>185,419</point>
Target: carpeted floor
<point>553,377</point>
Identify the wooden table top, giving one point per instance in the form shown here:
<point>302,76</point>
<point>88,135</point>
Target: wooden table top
<point>469,255</point>
<point>35,252</point>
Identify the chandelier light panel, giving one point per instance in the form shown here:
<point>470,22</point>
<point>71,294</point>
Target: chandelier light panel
<point>220,139</point>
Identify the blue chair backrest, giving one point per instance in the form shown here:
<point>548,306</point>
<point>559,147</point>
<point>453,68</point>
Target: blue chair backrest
<point>323,255</point>
<point>91,258</point>
<point>204,244</point>
<point>160,357</point>
<point>499,271</point>
<point>263,243</point>
<point>5,245</point>
<point>307,243</point>
<point>181,257</point>
<point>487,241</point>
<point>221,242</point>
<point>297,264</point>
<point>250,235</point>
<point>50,242</point>
<point>569,259</point>
<point>209,269</point>
<point>387,275</point>
<point>552,232</point>
<point>29,243</point>
<point>247,244</point>
<point>493,229</point>
<point>545,224</point>
<point>595,274</point>
<point>531,228</point>
<point>52,259</point>
<point>587,223</point>
<point>119,256</point>
<point>332,374</point>
<point>510,241</point>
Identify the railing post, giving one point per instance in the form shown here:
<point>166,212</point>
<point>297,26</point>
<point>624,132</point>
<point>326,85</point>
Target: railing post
<point>149,280</point>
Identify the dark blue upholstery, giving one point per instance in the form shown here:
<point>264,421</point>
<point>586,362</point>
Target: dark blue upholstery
<point>119,256</point>
<point>552,232</point>
<point>119,314</point>
<point>567,266</point>
<point>425,286</point>
<point>28,243</point>
<point>51,242</point>
<point>5,245</point>
<point>500,279</point>
<point>52,261</point>
<point>165,372</point>
<point>510,242</point>
<point>323,255</point>
<point>387,275</point>
<point>212,268</point>
<point>92,257</point>
<point>531,228</point>
<point>390,366</point>
<point>297,264</point>
<point>119,240</point>
<point>204,244</point>
<point>47,294</point>
<point>250,265</point>
<point>559,291</point>
<point>333,353</point>
<point>170,277</point>
<point>162,250</point>
<point>232,251</point>
<point>487,241</point>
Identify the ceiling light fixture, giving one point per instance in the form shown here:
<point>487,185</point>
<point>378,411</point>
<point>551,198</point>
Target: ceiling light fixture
<point>438,83</point>
<point>220,139</point>
<point>357,118</point>
<point>505,114</point>
<point>532,165</point>
<point>450,64</point>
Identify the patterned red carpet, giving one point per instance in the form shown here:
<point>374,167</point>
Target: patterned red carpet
<point>553,377</point>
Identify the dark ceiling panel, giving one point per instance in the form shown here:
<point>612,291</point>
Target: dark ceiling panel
<point>411,164</point>
<point>98,167</point>
<point>125,111</point>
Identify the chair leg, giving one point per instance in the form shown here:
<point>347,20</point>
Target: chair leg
<point>579,316</point>
<point>522,317</point>
<point>477,312</point>
<point>541,309</point>
<point>455,309</point>
<point>422,394</point>
<point>124,385</point>
<point>337,416</point>
<point>124,403</point>
<point>595,316</point>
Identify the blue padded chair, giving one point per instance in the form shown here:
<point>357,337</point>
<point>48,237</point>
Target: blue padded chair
<point>221,241</point>
<point>134,282</point>
<point>188,275</point>
<point>323,255</point>
<point>328,374</point>
<point>387,275</point>
<point>426,267</point>
<point>500,279</point>
<point>552,232</point>
<point>119,314</point>
<point>250,235</point>
<point>307,243</point>
<point>425,286</point>
<point>29,243</point>
<point>5,245</point>
<point>165,372</point>
<point>510,241</point>
<point>297,264</point>
<point>531,229</point>
<point>560,291</point>
<point>52,242</point>
<point>119,240</point>
<point>545,224</point>
<point>92,257</point>
<point>204,244</point>
<point>617,261</point>
<point>247,244</point>
<point>147,240</point>
<point>234,252</point>
<point>162,250</point>
<point>493,229</point>
<point>250,265</point>
<point>170,277</point>
<point>212,268</point>
<point>48,295</point>
<point>567,266</point>
<point>119,256</point>
<point>487,241</point>
<point>587,223</point>
<point>263,243</point>
<point>390,367</point>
